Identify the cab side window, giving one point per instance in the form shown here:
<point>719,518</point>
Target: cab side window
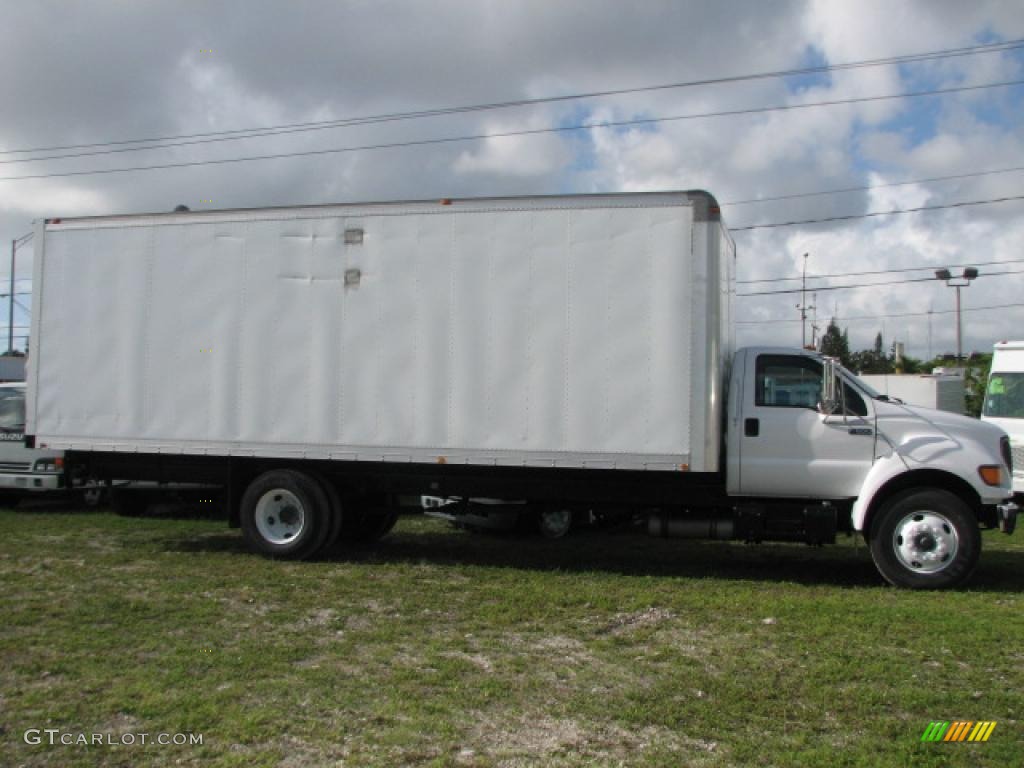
<point>784,381</point>
<point>787,382</point>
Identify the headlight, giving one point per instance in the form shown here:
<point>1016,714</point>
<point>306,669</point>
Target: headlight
<point>48,465</point>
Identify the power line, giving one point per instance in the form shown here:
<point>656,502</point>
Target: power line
<point>874,186</point>
<point>888,316</point>
<point>871,285</point>
<point>214,136</point>
<point>525,132</point>
<point>881,271</point>
<point>869,214</point>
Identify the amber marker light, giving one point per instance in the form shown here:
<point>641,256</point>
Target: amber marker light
<point>992,474</point>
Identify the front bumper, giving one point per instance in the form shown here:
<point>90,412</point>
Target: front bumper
<point>1006,514</point>
<point>32,482</point>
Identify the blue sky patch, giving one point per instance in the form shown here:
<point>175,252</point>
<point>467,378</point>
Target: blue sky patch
<point>812,57</point>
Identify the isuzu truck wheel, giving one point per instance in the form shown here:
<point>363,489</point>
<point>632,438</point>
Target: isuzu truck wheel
<point>285,514</point>
<point>925,539</point>
<point>554,522</point>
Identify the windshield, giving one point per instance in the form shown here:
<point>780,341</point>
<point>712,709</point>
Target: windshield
<point>1005,396</point>
<point>863,386</point>
<point>12,409</point>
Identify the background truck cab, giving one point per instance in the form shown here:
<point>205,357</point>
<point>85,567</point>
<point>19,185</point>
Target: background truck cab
<point>23,470</point>
<point>1004,403</point>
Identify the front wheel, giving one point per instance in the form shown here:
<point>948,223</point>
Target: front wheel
<point>925,539</point>
<point>554,522</point>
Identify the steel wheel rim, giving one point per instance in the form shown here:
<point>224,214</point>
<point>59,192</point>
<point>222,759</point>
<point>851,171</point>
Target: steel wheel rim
<point>925,542</point>
<point>555,522</point>
<point>280,516</point>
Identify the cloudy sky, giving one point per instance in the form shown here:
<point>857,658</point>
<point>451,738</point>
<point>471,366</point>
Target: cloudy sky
<point>94,73</point>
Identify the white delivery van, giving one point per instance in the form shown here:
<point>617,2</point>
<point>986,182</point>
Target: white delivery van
<point>567,351</point>
<point>1004,402</point>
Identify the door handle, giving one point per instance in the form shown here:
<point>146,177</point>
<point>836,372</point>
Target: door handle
<point>861,431</point>
<point>752,427</point>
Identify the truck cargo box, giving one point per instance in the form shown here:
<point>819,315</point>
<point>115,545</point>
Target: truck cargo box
<point>567,331</point>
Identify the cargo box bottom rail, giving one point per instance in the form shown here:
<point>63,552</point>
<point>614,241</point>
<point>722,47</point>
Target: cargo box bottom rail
<point>581,486</point>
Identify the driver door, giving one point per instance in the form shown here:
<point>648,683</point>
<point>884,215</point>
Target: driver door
<point>788,448</point>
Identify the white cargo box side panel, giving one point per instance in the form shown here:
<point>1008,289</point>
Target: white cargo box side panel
<point>551,332</point>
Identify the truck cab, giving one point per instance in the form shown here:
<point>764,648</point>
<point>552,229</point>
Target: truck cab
<point>24,471</point>
<point>916,482</point>
<point>1004,403</point>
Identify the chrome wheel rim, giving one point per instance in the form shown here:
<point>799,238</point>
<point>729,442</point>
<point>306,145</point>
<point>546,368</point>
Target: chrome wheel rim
<point>925,542</point>
<point>280,516</point>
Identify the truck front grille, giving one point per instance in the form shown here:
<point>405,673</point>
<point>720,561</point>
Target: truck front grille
<point>1017,458</point>
<point>15,466</point>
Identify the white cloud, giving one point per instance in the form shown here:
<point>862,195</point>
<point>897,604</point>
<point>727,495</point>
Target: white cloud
<point>524,155</point>
<point>272,66</point>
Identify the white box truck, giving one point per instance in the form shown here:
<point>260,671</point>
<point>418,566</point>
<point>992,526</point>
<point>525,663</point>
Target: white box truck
<point>1004,403</point>
<point>570,351</point>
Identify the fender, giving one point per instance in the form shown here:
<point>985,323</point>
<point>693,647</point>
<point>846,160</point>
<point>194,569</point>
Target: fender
<point>881,472</point>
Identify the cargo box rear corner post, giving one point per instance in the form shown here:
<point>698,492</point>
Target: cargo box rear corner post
<point>569,351</point>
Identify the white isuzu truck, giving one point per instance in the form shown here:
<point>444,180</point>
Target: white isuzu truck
<point>570,351</point>
<point>1004,403</point>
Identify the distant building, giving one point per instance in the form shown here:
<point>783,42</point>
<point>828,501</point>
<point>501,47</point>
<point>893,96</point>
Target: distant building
<point>12,368</point>
<point>941,391</point>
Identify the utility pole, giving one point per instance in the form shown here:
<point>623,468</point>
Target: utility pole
<point>10,311</point>
<point>802,306</point>
<point>814,320</point>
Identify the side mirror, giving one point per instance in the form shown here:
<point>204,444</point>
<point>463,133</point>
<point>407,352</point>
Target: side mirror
<point>829,386</point>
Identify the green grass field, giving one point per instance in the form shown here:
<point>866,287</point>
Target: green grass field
<point>440,647</point>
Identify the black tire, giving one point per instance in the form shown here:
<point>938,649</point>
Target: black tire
<point>336,511</point>
<point>554,522</point>
<point>285,514</point>
<point>93,495</point>
<point>925,539</point>
<point>129,503</point>
<point>375,525</point>
<point>370,518</point>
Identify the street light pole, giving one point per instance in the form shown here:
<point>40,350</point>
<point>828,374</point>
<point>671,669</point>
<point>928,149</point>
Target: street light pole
<point>958,282</point>
<point>959,330</point>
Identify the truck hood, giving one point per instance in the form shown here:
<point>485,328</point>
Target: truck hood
<point>925,435</point>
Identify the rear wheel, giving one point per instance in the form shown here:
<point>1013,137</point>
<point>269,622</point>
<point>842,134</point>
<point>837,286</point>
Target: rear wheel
<point>925,539</point>
<point>370,519</point>
<point>335,511</point>
<point>285,514</point>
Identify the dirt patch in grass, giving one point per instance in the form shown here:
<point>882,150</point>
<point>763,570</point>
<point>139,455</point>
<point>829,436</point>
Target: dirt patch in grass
<point>542,739</point>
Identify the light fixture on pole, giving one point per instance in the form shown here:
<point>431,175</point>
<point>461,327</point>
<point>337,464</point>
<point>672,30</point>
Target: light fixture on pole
<point>958,282</point>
